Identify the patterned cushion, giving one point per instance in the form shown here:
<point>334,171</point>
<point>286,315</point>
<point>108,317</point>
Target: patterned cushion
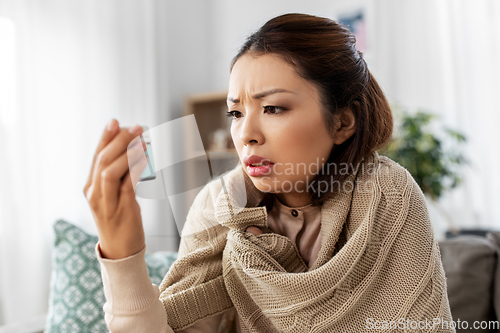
<point>76,291</point>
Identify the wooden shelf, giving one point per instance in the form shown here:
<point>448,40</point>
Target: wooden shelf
<point>209,110</point>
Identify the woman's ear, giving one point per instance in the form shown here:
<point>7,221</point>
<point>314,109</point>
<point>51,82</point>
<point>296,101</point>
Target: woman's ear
<point>345,127</point>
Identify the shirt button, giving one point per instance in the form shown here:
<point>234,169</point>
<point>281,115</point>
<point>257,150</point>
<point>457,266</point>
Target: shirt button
<point>295,213</point>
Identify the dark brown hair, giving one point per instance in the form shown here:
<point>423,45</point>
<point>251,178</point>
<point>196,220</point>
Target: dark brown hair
<point>323,52</point>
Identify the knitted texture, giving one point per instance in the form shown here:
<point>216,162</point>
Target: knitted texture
<point>378,261</point>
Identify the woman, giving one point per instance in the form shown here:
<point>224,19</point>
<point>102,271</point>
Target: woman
<point>313,231</point>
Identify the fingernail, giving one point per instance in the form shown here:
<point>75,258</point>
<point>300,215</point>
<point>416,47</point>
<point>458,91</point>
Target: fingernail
<point>111,125</point>
<point>135,129</point>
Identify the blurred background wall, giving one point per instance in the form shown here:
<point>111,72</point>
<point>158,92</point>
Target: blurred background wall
<point>67,67</point>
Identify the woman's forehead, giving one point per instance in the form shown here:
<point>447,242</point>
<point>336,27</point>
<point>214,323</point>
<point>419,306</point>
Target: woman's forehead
<point>257,76</point>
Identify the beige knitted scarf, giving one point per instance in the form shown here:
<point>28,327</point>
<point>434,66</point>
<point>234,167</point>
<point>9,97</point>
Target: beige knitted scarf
<point>379,265</point>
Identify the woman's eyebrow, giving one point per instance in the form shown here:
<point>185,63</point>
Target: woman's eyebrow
<point>261,95</point>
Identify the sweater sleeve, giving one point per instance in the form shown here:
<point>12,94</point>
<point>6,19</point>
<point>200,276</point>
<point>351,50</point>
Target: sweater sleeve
<point>132,301</point>
<point>194,290</point>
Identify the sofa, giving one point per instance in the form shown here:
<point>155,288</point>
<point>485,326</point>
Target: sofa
<point>472,273</point>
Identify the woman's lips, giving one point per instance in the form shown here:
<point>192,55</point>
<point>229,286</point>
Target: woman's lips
<point>261,170</point>
<point>257,171</point>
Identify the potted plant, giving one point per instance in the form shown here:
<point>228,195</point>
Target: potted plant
<point>434,158</point>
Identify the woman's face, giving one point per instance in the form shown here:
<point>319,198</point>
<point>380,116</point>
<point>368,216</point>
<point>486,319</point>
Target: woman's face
<point>277,115</point>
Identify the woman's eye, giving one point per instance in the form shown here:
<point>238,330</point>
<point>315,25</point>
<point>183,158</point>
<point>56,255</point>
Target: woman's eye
<point>274,109</point>
<point>270,108</point>
<point>233,114</point>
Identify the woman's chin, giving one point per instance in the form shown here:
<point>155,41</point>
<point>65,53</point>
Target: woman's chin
<point>263,185</point>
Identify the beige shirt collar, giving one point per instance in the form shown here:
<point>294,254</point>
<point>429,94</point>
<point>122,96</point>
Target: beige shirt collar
<point>301,225</point>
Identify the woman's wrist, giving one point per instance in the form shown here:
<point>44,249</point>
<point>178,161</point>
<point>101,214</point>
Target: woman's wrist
<point>116,250</point>
<point>127,285</point>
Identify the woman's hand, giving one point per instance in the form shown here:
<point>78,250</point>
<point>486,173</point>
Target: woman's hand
<point>254,230</point>
<point>110,191</point>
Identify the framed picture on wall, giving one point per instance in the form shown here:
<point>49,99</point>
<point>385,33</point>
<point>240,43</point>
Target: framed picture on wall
<point>357,16</point>
<point>356,22</point>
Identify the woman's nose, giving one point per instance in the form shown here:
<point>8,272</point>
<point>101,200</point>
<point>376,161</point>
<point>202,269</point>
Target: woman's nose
<point>250,131</point>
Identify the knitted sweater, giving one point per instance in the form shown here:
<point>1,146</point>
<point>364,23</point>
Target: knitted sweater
<point>378,260</point>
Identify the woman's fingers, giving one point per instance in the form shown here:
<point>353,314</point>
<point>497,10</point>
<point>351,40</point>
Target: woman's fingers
<point>137,169</point>
<point>110,153</point>
<point>108,134</point>
<point>114,173</point>
<point>254,230</point>
<point>114,149</point>
<point>131,178</point>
